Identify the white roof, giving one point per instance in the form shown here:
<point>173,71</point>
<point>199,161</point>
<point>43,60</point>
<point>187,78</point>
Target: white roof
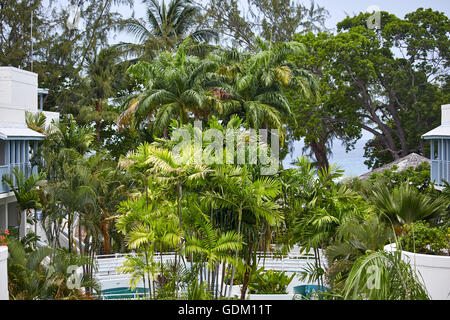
<point>11,132</point>
<point>442,131</point>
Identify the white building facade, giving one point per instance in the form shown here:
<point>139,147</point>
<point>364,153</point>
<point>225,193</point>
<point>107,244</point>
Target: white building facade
<point>18,94</point>
<point>440,148</point>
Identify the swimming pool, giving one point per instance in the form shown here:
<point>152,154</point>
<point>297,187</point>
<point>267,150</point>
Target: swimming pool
<point>123,293</point>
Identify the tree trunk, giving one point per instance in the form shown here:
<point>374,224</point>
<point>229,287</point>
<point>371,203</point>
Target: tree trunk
<point>106,237</point>
<point>239,233</point>
<point>320,152</point>
<point>245,283</point>
<point>179,196</point>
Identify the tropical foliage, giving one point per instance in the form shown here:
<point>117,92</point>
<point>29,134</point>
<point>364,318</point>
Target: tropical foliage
<point>110,181</point>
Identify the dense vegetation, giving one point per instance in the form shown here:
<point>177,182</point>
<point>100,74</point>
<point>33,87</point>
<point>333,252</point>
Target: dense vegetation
<point>108,174</point>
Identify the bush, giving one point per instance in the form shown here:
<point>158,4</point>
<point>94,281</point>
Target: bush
<point>269,282</point>
<point>428,240</point>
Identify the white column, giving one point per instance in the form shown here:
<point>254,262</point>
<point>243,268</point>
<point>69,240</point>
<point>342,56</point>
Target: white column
<point>12,152</point>
<point>17,154</point>
<point>27,151</point>
<point>7,152</point>
<point>4,273</point>
<point>6,215</point>
<point>23,224</point>
<point>3,218</point>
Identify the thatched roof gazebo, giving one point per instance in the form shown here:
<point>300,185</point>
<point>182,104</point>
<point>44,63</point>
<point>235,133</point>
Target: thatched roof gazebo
<point>411,160</point>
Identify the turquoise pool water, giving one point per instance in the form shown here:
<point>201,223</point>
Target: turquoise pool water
<point>122,293</point>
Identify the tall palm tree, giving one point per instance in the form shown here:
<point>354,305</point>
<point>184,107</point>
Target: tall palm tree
<point>249,199</point>
<point>177,86</point>
<point>324,206</point>
<point>165,27</point>
<point>256,82</point>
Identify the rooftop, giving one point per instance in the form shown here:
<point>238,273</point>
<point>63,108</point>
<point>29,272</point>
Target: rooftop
<point>411,160</point>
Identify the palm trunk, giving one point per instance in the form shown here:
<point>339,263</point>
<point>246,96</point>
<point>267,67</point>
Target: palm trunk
<point>106,237</point>
<point>216,282</point>
<point>223,278</point>
<point>179,196</point>
<point>234,268</point>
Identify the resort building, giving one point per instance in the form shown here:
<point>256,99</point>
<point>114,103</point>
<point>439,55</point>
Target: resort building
<point>440,149</point>
<point>19,93</point>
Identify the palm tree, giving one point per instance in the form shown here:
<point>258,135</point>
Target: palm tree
<point>165,27</point>
<point>177,86</point>
<point>405,205</point>
<point>383,275</point>
<point>44,273</point>
<point>249,199</point>
<point>255,82</point>
<point>138,266</point>
<point>213,245</point>
<point>324,206</point>
<point>357,237</point>
<point>36,121</point>
<point>167,168</point>
<point>26,192</point>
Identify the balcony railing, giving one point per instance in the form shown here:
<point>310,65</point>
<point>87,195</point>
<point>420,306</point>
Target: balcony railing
<point>9,170</point>
<point>440,171</point>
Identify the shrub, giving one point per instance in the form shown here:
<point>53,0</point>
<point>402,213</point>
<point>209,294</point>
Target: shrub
<point>428,240</point>
<point>269,282</point>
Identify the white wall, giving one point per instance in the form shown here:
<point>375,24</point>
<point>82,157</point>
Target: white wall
<point>3,274</point>
<point>445,113</point>
<point>18,92</point>
<point>433,270</point>
<point>50,116</point>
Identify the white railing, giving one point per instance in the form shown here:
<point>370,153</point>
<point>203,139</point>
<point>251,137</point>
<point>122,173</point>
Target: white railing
<point>106,271</point>
<point>107,264</point>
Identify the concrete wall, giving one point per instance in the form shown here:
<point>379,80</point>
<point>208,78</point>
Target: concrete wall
<point>18,92</point>
<point>445,116</point>
<point>50,116</point>
<point>3,273</point>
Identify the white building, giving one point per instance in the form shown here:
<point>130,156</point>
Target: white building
<point>18,94</point>
<point>440,148</point>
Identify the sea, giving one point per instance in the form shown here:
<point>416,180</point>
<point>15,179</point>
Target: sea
<point>351,162</point>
